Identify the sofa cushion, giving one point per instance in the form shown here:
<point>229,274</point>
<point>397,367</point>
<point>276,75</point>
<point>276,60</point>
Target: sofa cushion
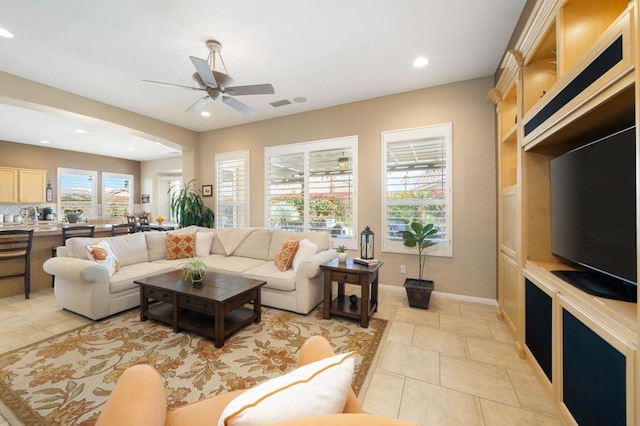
<point>255,245</point>
<point>181,245</point>
<point>130,249</point>
<point>231,265</point>
<point>102,254</point>
<point>123,280</point>
<point>156,245</point>
<point>313,389</point>
<point>77,246</point>
<point>284,258</point>
<point>274,277</point>
<point>305,249</point>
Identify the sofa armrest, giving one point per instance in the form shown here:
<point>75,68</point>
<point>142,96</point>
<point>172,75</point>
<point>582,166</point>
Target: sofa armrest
<point>76,269</point>
<point>310,267</point>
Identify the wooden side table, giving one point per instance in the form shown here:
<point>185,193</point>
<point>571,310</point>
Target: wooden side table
<point>350,273</point>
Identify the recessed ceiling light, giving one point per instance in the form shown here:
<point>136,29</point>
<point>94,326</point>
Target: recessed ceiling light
<point>43,141</point>
<point>5,33</point>
<point>205,114</point>
<point>420,61</point>
<point>81,131</point>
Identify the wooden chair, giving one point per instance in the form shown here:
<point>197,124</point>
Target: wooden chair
<point>16,245</point>
<point>144,224</point>
<point>122,229</point>
<point>70,232</point>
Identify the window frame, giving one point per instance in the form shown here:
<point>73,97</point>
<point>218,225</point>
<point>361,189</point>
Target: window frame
<point>103,182</point>
<point>61,171</point>
<point>160,179</point>
<point>306,148</point>
<point>445,131</point>
<point>220,160</point>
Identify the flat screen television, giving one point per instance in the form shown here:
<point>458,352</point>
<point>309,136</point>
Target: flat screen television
<point>593,215</point>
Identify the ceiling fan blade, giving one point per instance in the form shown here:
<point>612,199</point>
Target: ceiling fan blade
<point>238,106</point>
<point>199,104</point>
<point>173,85</point>
<point>254,89</point>
<point>202,67</point>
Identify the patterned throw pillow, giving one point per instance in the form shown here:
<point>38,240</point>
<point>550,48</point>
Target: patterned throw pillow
<point>101,253</point>
<point>180,246</point>
<point>284,258</point>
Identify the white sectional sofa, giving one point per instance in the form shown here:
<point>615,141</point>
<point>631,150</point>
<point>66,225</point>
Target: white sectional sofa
<point>85,287</point>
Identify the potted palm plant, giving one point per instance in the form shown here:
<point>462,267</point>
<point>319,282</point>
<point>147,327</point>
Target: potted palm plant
<point>419,290</point>
<point>193,270</point>
<point>189,209</point>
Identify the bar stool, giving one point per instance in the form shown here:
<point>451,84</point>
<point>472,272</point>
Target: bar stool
<point>122,229</point>
<point>16,245</point>
<point>70,232</point>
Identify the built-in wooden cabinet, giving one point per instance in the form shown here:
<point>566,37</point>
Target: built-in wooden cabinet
<point>570,78</point>
<point>24,186</point>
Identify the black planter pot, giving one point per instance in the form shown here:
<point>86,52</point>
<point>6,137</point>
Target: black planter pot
<point>418,292</point>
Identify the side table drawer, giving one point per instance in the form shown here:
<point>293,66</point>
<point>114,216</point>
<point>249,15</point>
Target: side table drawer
<point>153,293</point>
<point>345,277</point>
<point>193,304</point>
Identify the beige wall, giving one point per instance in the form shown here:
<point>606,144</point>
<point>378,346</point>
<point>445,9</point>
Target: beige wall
<point>472,269</point>
<point>49,159</point>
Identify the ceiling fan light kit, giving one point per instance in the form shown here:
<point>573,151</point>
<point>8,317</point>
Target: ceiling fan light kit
<point>219,85</point>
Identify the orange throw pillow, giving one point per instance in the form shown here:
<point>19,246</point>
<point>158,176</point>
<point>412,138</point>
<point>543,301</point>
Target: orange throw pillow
<point>285,256</point>
<point>180,246</point>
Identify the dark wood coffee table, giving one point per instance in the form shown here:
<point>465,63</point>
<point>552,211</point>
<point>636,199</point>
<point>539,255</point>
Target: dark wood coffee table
<point>213,308</point>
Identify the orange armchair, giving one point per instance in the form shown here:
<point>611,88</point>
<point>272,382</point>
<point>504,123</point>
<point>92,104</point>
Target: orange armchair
<point>139,399</point>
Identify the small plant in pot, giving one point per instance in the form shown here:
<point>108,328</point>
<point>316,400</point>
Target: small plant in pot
<point>342,253</point>
<point>193,270</point>
<point>419,291</point>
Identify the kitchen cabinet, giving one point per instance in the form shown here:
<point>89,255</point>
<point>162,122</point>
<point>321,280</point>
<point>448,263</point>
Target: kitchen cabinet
<point>26,186</point>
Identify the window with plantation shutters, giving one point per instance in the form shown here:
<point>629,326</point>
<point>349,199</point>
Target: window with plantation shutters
<point>77,190</point>
<point>232,190</point>
<point>166,185</point>
<point>117,194</point>
<point>417,170</point>
<point>311,186</point>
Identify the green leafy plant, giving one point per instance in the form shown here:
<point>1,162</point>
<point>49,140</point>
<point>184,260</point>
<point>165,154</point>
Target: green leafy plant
<point>421,236</point>
<point>189,209</point>
<point>341,249</point>
<point>193,269</point>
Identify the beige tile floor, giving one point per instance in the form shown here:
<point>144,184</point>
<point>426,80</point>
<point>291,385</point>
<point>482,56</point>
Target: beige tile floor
<point>453,364</point>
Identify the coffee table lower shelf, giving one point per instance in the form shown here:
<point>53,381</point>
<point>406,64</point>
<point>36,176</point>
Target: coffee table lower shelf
<point>198,322</point>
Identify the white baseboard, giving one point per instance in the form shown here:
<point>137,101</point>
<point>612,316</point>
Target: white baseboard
<point>461,297</point>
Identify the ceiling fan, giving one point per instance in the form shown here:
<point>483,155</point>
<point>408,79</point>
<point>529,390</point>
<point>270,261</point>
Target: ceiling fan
<point>219,85</point>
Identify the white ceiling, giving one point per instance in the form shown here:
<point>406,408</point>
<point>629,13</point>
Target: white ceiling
<point>330,52</point>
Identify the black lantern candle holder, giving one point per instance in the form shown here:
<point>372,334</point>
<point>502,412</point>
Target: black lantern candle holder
<point>366,243</point>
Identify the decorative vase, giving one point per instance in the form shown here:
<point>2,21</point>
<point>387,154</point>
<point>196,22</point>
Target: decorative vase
<point>418,292</point>
<point>73,217</point>
<point>342,257</point>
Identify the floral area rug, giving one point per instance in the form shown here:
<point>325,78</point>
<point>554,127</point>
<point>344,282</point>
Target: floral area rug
<point>67,378</point>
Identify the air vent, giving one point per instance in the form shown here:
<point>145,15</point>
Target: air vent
<point>278,104</point>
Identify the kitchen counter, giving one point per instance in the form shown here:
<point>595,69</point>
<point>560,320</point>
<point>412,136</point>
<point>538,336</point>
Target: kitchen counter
<point>51,228</point>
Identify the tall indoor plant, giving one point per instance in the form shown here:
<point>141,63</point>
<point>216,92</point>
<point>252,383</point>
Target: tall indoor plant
<point>421,236</point>
<point>189,209</point>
